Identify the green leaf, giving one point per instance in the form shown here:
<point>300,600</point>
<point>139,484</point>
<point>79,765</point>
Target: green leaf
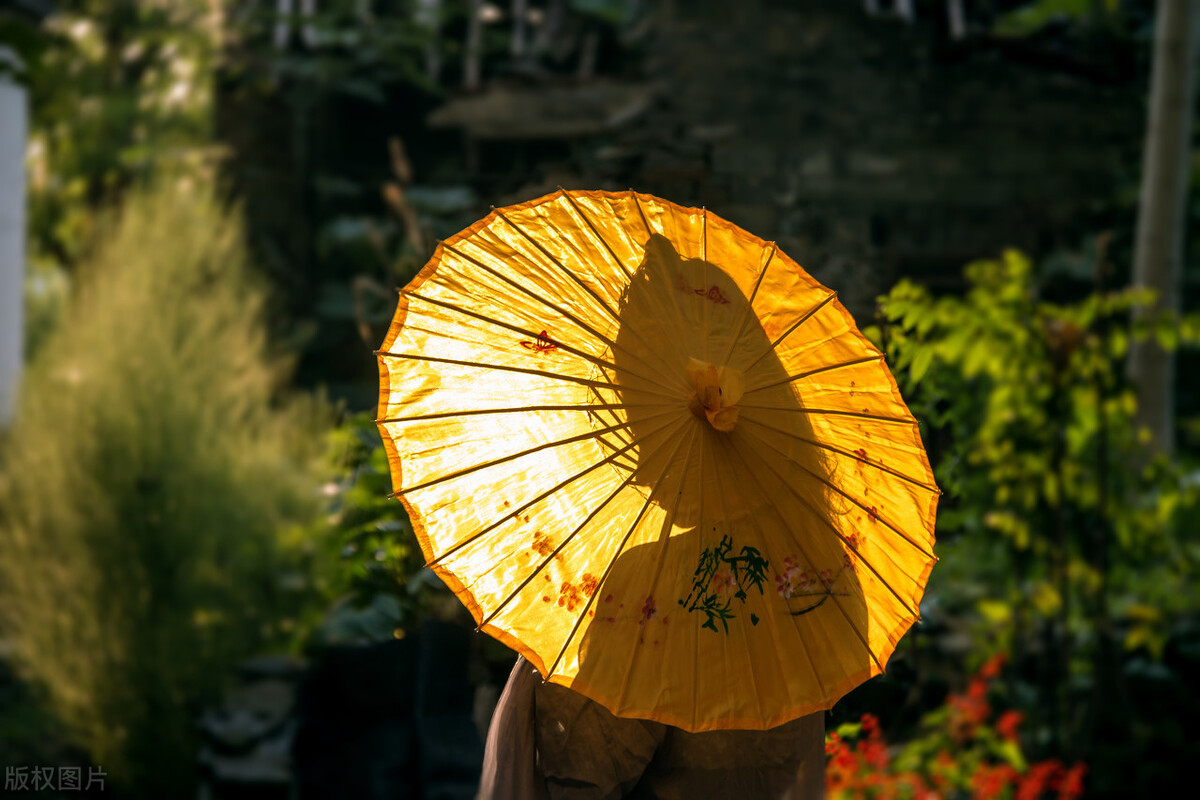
<point>920,364</point>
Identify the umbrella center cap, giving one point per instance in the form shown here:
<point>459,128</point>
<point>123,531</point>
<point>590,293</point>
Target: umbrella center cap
<point>717,390</point>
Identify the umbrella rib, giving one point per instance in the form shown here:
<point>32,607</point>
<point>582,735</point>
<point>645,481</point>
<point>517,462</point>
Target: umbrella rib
<point>610,416</point>
<point>521,454</point>
<point>803,552</point>
<point>807,315</point>
<point>612,563</point>
<point>524,370</point>
<point>660,557</point>
<point>801,376</point>
<point>500,213</point>
<point>851,456</point>
<point>837,412</point>
<point>704,270</point>
<point>567,540</point>
<point>528,293</point>
<point>695,661</point>
<point>535,296</point>
<point>515,409</point>
<point>533,335</point>
<point>595,233</point>
<point>641,213</point>
<point>919,547</point>
<point>742,628</point>
<point>674,300</point>
<point>606,460</point>
<point>749,305</point>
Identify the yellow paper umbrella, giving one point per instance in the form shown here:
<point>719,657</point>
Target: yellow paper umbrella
<point>649,452</point>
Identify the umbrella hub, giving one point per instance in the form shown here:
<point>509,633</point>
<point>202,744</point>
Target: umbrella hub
<point>717,390</point>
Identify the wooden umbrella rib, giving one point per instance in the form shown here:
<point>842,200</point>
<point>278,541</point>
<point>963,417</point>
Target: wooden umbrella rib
<point>660,558</point>
<point>852,456</point>
<point>749,305</point>
<point>612,563</point>
<point>827,368</point>
<point>641,213</point>
<point>595,233</point>
<point>835,412</point>
<point>917,545</point>
<point>521,454</point>
<point>523,370</point>
<point>529,293</point>
<point>844,540</point>
<point>531,334</point>
<point>606,415</point>
<point>724,514</point>
<point>603,304</point>
<point>554,553</point>
<point>610,458</point>
<point>704,272</point>
<point>792,329</point>
<point>700,526</point>
<point>773,503</point>
<point>551,556</point>
<point>580,323</point>
<point>518,409</point>
<point>854,549</point>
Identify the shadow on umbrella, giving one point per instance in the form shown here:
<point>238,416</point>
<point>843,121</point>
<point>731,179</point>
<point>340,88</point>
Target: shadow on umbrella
<point>752,574</point>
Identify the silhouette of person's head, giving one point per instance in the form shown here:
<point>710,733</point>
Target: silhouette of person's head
<point>735,594</point>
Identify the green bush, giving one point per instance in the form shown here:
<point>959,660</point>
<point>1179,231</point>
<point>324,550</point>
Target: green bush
<point>146,488</point>
<point>1064,542</point>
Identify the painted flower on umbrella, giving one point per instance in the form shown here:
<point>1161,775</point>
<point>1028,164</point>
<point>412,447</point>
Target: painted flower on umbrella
<point>850,557</point>
<point>649,609</point>
<point>724,581</point>
<point>786,581</point>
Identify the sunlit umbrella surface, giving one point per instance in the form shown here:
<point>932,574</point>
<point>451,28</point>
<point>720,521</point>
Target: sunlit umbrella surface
<point>653,455</point>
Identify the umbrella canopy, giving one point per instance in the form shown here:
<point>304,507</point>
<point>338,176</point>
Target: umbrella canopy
<point>652,454</point>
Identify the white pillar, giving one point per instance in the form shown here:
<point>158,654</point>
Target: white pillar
<point>14,113</point>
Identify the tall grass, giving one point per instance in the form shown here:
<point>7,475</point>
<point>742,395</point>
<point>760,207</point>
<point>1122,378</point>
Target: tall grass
<point>144,486</point>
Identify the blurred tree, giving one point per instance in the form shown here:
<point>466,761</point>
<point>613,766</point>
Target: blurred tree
<point>144,489</point>
<point>1158,253</point>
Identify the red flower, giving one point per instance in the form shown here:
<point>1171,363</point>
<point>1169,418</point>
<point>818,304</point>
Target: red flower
<point>1071,785</point>
<point>1040,777</point>
<point>990,780</point>
<point>1008,723</point>
<point>969,712</point>
<point>873,752</point>
<point>991,668</point>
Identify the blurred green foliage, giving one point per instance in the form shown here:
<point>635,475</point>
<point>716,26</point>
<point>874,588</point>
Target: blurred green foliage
<point>144,486</point>
<point>1030,17</point>
<point>118,89</point>
<point>367,564</point>
<point>350,51</point>
<point>1059,534</point>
